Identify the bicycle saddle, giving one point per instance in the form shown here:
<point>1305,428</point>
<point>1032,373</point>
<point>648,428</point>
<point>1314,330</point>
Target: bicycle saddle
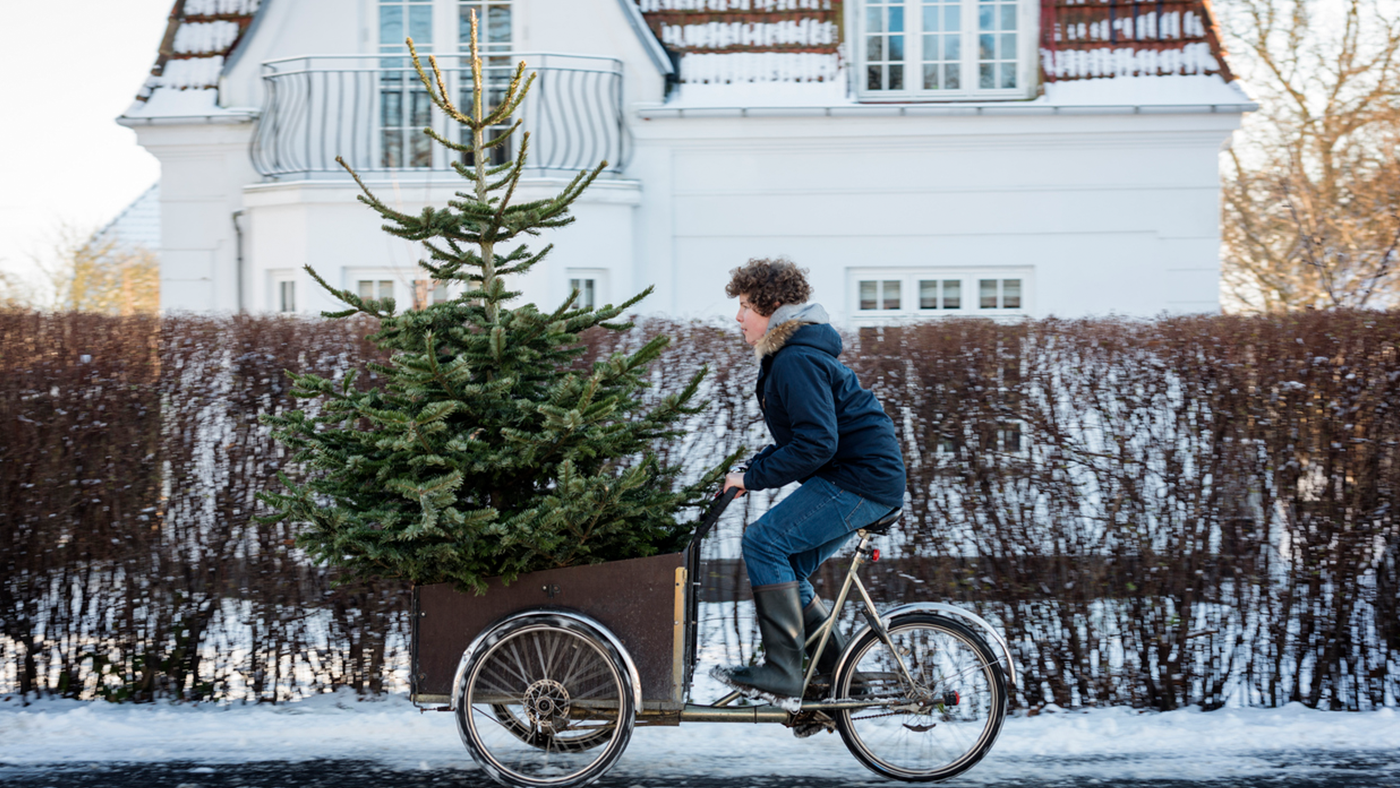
<point>883,524</point>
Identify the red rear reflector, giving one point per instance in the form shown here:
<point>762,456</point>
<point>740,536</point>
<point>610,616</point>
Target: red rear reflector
<point>875,554</point>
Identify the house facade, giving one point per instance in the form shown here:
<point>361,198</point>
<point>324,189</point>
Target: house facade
<point>922,158</point>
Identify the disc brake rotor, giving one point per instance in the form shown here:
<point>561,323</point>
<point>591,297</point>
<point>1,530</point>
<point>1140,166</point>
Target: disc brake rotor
<point>547,705</point>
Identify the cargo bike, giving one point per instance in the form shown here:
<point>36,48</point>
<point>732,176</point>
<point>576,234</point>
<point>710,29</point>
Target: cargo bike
<point>548,676</point>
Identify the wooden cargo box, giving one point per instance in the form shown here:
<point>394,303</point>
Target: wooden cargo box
<point>643,601</point>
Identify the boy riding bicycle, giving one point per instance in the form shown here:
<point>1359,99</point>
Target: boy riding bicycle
<point>829,434</point>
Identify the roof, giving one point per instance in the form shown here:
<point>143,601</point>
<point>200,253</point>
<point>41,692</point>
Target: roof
<point>137,226</point>
<point>199,36</point>
<point>726,41</point>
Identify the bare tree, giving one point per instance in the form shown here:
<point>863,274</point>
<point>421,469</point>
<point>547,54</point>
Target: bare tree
<point>86,274</point>
<point>13,293</point>
<point>1311,213</point>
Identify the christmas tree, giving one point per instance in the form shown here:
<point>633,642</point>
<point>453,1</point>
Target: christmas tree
<point>490,449</point>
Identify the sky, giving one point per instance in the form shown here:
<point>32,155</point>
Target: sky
<point>73,67</point>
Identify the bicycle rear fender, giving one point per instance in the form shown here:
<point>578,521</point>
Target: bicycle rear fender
<point>948,611</point>
<point>479,642</point>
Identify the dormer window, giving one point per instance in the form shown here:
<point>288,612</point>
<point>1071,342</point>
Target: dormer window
<point>921,50</point>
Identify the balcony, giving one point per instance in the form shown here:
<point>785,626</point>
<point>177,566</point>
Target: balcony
<point>371,109</point>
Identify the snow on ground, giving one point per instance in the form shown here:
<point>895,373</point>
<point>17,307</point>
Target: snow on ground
<point>1181,745</point>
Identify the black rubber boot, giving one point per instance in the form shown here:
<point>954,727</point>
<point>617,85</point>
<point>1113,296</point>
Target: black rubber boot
<point>779,679</point>
<point>812,617</point>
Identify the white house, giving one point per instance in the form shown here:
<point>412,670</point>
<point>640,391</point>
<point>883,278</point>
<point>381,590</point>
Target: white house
<point>921,157</point>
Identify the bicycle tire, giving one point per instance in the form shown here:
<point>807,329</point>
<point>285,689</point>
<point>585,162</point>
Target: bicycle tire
<point>545,702</point>
<point>946,723</point>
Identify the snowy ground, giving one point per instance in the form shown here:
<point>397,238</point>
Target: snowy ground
<point>391,733</point>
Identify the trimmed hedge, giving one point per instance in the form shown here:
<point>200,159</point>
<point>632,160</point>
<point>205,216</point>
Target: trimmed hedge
<point>1160,513</point>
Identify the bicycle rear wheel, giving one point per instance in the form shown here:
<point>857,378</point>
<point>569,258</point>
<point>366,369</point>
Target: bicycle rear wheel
<point>939,726</point>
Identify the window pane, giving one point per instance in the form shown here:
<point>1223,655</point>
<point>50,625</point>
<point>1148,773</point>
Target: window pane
<point>896,47</point>
<point>1008,16</point>
<point>1008,46</point>
<point>1011,293</point>
<point>952,17</point>
<point>874,20</point>
<point>390,24</point>
<point>988,293</point>
<point>896,19</point>
<point>986,47</point>
<point>872,78</point>
<point>393,149</point>
<point>365,288</point>
<point>588,293</point>
<point>420,24</point>
<point>498,25</point>
<point>421,108</point>
<point>896,77</point>
<point>930,20</point>
<point>952,294</point>
<point>287,296</point>
<point>1008,75</point>
<point>421,152</point>
<point>867,294</point>
<point>986,17</point>
<point>891,294</point>
<point>874,48</point>
<point>952,79</point>
<point>928,293</point>
<point>386,288</point>
<point>985,77</point>
<point>930,75</point>
<point>952,48</point>
<point>391,109</point>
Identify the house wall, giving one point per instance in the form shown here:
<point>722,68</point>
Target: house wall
<point>203,168</point>
<point>1108,213</point>
<point>291,28</point>
<point>321,224</point>
<point>1096,213</point>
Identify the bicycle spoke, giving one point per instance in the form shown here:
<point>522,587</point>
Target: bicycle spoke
<point>953,708</point>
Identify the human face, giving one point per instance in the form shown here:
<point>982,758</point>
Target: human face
<point>751,322</point>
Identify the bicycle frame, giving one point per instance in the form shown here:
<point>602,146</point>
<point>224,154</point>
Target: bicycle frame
<point>721,711</point>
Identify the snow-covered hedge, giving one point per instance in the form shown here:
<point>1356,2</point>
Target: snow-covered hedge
<point>1163,513</point>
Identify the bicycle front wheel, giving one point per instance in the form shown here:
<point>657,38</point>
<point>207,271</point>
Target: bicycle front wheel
<point>546,703</point>
<point>936,726</point>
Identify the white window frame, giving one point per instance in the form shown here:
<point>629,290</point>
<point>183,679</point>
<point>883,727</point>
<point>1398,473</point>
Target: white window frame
<point>402,279</point>
<point>1027,59</point>
<point>909,308</point>
<point>275,281</point>
<point>600,284</point>
<point>409,90</point>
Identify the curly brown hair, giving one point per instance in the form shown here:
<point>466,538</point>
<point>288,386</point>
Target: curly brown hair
<point>769,283</point>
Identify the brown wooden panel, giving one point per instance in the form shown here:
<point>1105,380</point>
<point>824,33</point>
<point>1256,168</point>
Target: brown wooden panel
<point>635,599</point>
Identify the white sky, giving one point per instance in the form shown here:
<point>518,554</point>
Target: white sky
<point>70,69</point>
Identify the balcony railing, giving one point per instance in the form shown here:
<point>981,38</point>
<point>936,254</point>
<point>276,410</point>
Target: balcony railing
<point>371,110</point>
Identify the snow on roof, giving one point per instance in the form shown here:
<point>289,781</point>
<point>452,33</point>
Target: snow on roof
<point>137,226</point>
<point>199,34</point>
<point>737,41</point>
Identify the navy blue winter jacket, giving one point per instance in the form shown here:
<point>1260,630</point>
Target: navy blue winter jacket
<point>823,423</point>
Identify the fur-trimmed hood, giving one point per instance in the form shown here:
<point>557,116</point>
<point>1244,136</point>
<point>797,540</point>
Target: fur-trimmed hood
<point>784,322</point>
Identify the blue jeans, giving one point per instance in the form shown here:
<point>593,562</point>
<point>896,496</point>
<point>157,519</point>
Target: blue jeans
<point>789,542</point>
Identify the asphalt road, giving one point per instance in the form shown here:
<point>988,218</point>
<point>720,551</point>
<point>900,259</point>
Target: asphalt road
<point>1333,770</point>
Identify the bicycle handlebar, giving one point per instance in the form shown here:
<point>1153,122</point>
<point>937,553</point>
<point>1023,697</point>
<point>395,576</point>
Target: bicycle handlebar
<point>722,501</point>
